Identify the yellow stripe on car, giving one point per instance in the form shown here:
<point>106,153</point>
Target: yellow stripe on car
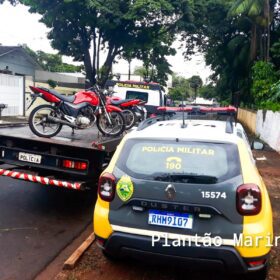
<point>257,228</point>
<point>101,224</point>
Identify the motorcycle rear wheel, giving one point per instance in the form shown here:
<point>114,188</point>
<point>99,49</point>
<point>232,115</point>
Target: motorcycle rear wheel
<point>39,124</point>
<point>116,128</point>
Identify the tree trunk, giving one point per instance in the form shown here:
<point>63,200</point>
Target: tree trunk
<point>253,51</point>
<point>261,45</point>
<point>267,17</point>
<point>94,49</point>
<point>129,69</point>
<point>90,69</point>
<point>98,55</point>
<point>107,67</point>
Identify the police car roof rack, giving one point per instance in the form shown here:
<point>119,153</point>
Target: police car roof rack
<point>200,111</point>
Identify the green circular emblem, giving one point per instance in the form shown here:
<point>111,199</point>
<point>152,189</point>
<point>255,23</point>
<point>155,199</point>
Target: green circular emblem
<point>125,188</point>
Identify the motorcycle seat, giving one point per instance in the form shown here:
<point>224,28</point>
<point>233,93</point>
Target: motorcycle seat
<point>120,102</point>
<point>62,97</point>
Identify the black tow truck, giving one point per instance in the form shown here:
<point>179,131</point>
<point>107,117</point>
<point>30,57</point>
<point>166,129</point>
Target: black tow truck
<point>72,161</point>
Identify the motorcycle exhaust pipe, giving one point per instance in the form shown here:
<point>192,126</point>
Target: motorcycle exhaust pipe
<point>56,120</point>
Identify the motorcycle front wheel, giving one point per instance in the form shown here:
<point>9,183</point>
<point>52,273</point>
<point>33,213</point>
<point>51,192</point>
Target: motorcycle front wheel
<point>116,127</point>
<point>39,123</point>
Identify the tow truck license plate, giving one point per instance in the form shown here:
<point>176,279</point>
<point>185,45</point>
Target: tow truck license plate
<point>170,219</point>
<point>29,158</point>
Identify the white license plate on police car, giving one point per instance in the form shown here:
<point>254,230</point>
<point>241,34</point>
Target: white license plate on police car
<point>170,219</point>
<point>30,158</point>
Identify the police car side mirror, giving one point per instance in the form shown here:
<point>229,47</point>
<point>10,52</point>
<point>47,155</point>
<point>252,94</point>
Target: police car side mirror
<point>256,145</point>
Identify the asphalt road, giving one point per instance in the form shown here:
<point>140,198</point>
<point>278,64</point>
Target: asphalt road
<point>36,223</point>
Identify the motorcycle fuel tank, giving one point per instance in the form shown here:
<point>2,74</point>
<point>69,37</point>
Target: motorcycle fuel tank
<point>86,96</point>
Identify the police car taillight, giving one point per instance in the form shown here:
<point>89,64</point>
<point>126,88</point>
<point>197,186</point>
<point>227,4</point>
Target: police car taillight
<point>107,187</point>
<point>249,200</point>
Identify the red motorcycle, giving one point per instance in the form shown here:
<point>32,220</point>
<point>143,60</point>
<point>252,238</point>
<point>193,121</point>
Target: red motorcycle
<point>79,111</point>
<point>132,109</point>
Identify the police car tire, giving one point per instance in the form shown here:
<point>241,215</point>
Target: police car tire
<point>110,257</point>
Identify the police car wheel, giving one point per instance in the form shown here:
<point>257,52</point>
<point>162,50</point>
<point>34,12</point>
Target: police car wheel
<point>258,275</point>
<point>110,257</point>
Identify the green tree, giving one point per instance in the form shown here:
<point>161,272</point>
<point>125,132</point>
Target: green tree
<point>52,83</point>
<point>225,40</point>
<point>264,77</point>
<point>196,83</point>
<point>13,2</point>
<point>222,40</point>
<point>180,88</point>
<point>142,71</point>
<point>53,62</point>
<point>259,13</point>
<point>208,92</point>
<point>109,26</point>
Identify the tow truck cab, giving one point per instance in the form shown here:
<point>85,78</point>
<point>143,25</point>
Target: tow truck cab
<point>152,93</point>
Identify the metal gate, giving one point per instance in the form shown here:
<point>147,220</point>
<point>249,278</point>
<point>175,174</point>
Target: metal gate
<point>12,94</point>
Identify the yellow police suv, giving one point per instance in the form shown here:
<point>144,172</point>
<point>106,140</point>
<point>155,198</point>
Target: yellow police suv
<point>189,193</point>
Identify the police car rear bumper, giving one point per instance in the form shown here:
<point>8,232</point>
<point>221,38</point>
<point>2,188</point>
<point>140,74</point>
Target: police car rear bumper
<point>224,258</point>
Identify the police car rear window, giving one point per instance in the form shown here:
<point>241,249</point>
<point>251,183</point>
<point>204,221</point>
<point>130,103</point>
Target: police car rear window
<point>151,159</point>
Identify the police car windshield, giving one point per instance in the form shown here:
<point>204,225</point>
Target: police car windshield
<point>185,161</point>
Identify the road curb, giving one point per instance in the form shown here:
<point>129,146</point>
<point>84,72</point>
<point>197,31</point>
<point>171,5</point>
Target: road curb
<point>71,262</point>
<point>6,125</point>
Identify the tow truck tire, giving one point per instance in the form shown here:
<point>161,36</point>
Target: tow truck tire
<point>31,124</point>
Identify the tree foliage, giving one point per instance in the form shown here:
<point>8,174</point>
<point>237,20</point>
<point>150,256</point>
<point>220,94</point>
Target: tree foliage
<point>53,62</point>
<point>264,77</point>
<point>233,35</point>
<point>208,91</point>
<point>13,2</point>
<point>180,88</point>
<point>110,27</point>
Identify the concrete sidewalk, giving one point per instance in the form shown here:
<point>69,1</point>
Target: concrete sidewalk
<point>13,121</point>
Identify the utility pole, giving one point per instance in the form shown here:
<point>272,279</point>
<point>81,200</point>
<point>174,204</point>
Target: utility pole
<point>129,68</point>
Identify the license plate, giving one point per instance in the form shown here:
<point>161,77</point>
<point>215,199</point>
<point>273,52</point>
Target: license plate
<point>170,219</point>
<point>30,158</point>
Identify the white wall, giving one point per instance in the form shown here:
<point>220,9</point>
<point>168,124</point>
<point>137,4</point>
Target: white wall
<point>268,128</point>
<point>44,76</point>
<point>12,94</point>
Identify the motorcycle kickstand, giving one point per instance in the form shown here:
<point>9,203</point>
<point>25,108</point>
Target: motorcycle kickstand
<point>73,131</point>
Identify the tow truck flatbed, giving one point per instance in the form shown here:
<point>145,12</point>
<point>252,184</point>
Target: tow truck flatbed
<point>87,138</point>
<point>67,160</point>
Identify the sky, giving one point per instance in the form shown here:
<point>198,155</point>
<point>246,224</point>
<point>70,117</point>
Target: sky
<point>18,26</point>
